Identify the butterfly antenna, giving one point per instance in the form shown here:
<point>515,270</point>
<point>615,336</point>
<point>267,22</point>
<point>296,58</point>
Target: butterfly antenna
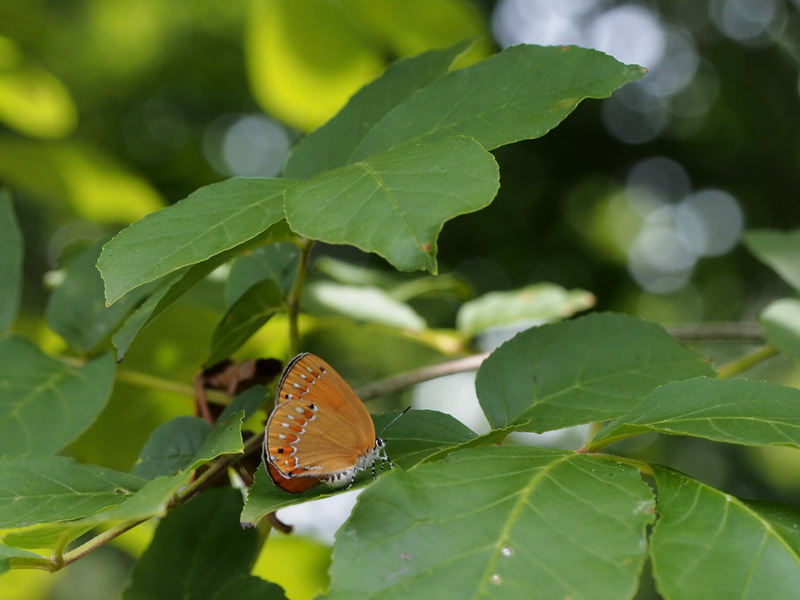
<point>390,423</point>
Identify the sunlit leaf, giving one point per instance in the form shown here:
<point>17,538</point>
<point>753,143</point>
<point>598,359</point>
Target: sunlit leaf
<point>491,523</point>
<point>8,553</point>
<point>520,93</point>
<point>708,544</point>
<point>395,204</point>
<point>778,250</point>
<point>213,219</point>
<point>197,549</point>
<point>225,438</point>
<point>332,145</point>
<point>253,308</point>
<point>54,488</point>
<point>46,535</point>
<point>10,263</point>
<point>736,411</point>
<point>590,369</point>
<point>534,305</point>
<point>781,323</point>
<point>46,404</point>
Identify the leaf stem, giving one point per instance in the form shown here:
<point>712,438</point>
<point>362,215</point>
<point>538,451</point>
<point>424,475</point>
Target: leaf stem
<point>294,296</point>
<point>746,362</point>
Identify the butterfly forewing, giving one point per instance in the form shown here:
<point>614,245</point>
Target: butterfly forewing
<point>319,426</point>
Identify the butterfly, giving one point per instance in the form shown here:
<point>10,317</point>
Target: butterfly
<point>319,430</point>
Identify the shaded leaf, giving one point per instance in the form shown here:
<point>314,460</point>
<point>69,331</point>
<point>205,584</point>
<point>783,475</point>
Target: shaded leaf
<point>8,553</point>
<point>589,369</point>
<point>54,488</point>
<point>784,518</point>
<point>332,145</point>
<point>253,308</point>
<point>249,587</point>
<point>781,323</point>
<point>708,544</point>
<point>736,411</point>
<point>248,402</point>
<point>213,219</point>
<point>171,447</point>
<point>534,305</point>
<point>196,550</point>
<point>491,523</point>
<point>225,438</point>
<point>45,403</point>
<point>778,250</point>
<point>396,203</point>
<point>520,93</point>
<point>11,250</point>
<point>275,261</point>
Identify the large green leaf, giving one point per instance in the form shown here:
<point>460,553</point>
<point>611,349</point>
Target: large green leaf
<point>77,310</point>
<point>736,411</point>
<point>504,522</point>
<point>253,308</point>
<point>396,203</point>
<point>10,263</point>
<point>249,587</point>
<point>8,554</point>
<point>195,551</point>
<point>54,488</point>
<point>275,261</point>
<point>520,93</point>
<point>171,447</point>
<point>781,323</point>
<point>332,145</point>
<point>46,404</point>
<point>590,369</point>
<point>708,545</point>
<point>213,219</point>
<point>779,250</point>
<point>418,435</point>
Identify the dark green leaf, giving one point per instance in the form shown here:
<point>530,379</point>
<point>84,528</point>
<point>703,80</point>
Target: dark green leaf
<point>505,522</point>
<point>10,263</point>
<point>76,309</point>
<point>275,261</point>
<point>520,93</point>
<point>53,488</point>
<point>708,544</point>
<point>249,587</point>
<point>534,305</point>
<point>197,549</point>
<point>396,203</point>
<point>332,145</point>
<point>736,411</point>
<point>225,438</point>
<point>46,404</point>
<point>171,447</point>
<point>781,323</point>
<point>248,401</point>
<point>778,250</point>
<point>590,369</point>
<point>213,219</point>
<point>784,518</point>
<point>254,308</point>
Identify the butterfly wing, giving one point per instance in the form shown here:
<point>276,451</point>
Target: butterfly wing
<point>318,426</point>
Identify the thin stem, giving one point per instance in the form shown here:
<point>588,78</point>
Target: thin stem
<point>97,541</point>
<point>746,362</point>
<point>643,467</point>
<point>294,296</point>
<point>392,385</point>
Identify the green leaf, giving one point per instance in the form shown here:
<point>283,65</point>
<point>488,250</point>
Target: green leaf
<point>171,447</point>
<point>520,93</point>
<point>197,549</point>
<point>534,304</point>
<point>10,263</point>
<point>254,308</point>
<point>213,219</point>
<point>361,303</point>
<point>249,587</point>
<point>778,250</point>
<point>784,518</point>
<point>332,145</point>
<point>7,554</point>
<point>46,535</point>
<point>491,523</point>
<point>781,323</point>
<point>589,369</point>
<point>736,411</point>
<point>707,544</point>
<point>276,261</point>
<point>396,203</point>
<point>54,488</point>
<point>249,401</point>
<point>46,404</point>
<point>225,438</point>
<point>416,436</point>
<point>76,309</point>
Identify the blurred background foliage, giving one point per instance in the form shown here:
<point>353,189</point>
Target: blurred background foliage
<point>110,110</point>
